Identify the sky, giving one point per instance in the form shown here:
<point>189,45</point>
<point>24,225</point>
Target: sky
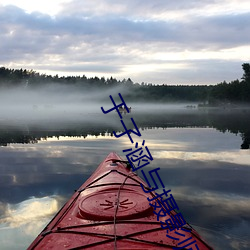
<point>153,41</point>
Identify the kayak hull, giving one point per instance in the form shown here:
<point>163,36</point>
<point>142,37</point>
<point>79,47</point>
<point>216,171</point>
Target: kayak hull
<point>111,211</point>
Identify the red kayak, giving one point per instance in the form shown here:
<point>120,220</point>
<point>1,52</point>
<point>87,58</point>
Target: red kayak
<point>111,211</point>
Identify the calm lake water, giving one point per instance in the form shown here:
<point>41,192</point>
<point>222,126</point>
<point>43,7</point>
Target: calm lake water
<point>44,158</point>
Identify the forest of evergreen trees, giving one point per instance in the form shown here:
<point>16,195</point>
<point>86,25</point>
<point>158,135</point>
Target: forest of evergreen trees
<point>236,91</point>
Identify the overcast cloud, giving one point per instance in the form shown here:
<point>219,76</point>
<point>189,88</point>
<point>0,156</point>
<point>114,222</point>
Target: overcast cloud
<point>171,42</point>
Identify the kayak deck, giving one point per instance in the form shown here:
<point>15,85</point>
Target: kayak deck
<point>111,211</point>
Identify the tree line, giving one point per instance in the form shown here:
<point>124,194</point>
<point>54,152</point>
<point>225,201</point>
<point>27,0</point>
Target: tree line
<point>236,91</point>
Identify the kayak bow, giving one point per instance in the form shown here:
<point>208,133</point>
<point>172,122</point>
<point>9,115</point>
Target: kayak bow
<point>111,211</point>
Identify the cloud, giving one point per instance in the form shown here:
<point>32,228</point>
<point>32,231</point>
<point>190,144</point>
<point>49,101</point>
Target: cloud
<point>114,38</point>
<point>145,10</point>
<point>116,30</point>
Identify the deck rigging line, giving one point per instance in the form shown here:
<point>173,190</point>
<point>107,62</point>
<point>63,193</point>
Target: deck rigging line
<point>117,206</point>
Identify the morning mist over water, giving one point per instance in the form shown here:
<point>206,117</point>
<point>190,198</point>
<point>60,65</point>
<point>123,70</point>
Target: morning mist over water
<point>57,109</point>
<point>54,137</point>
<point>60,102</point>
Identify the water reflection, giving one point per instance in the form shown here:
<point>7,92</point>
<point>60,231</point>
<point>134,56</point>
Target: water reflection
<point>235,157</point>
<point>20,222</point>
<point>205,169</point>
<point>16,215</point>
<point>233,121</point>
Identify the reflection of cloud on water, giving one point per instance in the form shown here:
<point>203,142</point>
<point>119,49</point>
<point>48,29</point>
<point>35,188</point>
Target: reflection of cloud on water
<point>29,212</point>
<point>213,210</point>
<point>236,157</point>
<point>221,241</point>
<point>228,203</point>
<point>191,140</point>
<point>22,222</point>
<point>55,157</point>
<point>103,136</point>
<point>156,145</point>
<point>53,167</point>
